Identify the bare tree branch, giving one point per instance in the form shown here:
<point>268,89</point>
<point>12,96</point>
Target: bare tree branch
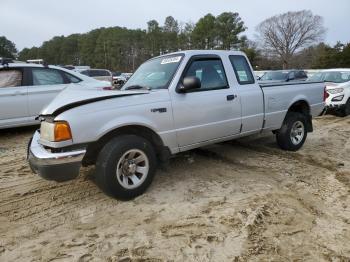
<point>288,33</point>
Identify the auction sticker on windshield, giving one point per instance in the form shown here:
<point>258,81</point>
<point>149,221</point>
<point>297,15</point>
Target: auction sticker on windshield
<point>170,60</point>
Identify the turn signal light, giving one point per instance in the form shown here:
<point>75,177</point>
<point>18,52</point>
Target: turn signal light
<point>325,94</point>
<point>62,131</point>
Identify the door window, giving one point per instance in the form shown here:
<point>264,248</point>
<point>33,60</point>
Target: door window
<point>242,70</point>
<point>210,72</point>
<point>45,76</point>
<point>10,78</point>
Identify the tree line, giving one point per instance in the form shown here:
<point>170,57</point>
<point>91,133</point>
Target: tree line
<point>123,49</point>
<point>290,40</point>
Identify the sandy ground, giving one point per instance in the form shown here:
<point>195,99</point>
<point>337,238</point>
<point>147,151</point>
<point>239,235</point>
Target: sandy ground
<point>236,201</point>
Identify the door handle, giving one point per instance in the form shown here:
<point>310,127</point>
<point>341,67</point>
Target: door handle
<point>230,97</point>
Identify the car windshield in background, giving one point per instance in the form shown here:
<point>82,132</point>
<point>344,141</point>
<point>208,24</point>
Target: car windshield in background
<point>95,73</point>
<point>99,73</point>
<point>334,77</point>
<point>279,75</point>
<point>154,74</point>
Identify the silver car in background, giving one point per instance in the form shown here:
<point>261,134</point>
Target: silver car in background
<point>99,74</point>
<point>25,89</point>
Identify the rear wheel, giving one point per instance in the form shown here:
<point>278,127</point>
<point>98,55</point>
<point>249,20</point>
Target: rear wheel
<point>126,166</point>
<point>293,133</point>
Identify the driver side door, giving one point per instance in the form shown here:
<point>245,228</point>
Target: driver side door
<point>211,112</point>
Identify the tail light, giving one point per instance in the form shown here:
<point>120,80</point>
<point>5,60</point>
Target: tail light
<point>325,94</point>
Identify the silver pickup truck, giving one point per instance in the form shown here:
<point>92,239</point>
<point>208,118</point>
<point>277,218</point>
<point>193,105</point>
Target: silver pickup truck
<point>173,103</point>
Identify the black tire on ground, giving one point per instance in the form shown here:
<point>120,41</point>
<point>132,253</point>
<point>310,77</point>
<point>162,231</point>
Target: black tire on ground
<point>285,135</point>
<point>346,110</point>
<point>108,159</point>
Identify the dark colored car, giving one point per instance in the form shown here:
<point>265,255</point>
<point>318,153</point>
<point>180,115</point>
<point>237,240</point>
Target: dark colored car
<point>284,76</point>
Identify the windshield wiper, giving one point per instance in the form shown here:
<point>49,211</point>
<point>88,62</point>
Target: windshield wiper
<point>135,87</point>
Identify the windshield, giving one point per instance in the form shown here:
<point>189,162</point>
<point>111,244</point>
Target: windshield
<point>278,75</point>
<point>155,73</point>
<point>334,77</point>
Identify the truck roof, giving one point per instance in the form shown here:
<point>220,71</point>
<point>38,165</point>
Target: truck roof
<point>207,52</point>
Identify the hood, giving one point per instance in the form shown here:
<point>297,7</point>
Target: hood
<point>331,85</point>
<point>73,97</point>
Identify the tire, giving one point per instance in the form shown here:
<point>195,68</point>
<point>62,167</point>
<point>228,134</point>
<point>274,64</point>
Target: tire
<point>293,133</point>
<point>346,110</point>
<point>136,161</point>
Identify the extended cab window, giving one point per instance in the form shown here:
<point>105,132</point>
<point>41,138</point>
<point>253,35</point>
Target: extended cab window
<point>210,72</point>
<point>242,70</point>
<point>45,76</point>
<point>10,78</point>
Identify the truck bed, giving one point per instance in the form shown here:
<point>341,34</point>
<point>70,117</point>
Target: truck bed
<point>277,100</point>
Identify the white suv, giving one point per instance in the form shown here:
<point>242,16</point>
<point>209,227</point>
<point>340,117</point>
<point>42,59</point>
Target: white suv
<point>338,89</point>
<point>25,89</point>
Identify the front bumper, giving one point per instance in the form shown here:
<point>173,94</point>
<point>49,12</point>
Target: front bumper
<point>54,166</point>
<point>335,107</point>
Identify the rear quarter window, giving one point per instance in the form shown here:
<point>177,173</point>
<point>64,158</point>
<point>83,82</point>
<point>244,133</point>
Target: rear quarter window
<point>242,70</point>
<point>71,78</point>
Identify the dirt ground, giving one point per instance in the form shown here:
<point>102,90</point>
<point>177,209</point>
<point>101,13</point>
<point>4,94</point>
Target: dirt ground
<point>236,201</point>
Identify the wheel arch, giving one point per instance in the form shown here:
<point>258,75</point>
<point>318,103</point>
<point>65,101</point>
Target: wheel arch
<point>303,107</point>
<point>93,149</point>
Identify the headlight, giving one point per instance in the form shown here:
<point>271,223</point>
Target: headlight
<point>335,90</point>
<point>56,131</point>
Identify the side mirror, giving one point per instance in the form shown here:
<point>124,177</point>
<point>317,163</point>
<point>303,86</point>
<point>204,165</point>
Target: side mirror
<point>189,83</point>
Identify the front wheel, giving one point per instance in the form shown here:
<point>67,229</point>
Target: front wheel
<point>293,133</point>
<point>126,166</point>
<point>346,110</point>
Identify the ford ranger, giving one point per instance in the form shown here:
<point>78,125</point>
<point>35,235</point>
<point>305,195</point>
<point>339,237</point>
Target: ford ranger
<point>173,103</point>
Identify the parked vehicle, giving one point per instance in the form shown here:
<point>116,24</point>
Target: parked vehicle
<point>26,88</point>
<point>127,75</point>
<point>172,103</point>
<point>99,74</point>
<point>338,89</point>
<point>4,60</point>
<point>283,76</point>
<point>118,79</point>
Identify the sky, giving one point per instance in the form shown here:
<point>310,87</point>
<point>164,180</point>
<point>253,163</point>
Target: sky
<point>30,22</point>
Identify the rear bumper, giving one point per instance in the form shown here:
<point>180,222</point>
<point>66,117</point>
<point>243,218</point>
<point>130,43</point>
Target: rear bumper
<point>54,166</point>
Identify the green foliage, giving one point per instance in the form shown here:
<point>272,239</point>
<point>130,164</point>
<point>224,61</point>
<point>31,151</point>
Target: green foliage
<point>228,27</point>
<point>204,34</point>
<point>123,49</point>
<point>7,48</point>
<point>331,57</point>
